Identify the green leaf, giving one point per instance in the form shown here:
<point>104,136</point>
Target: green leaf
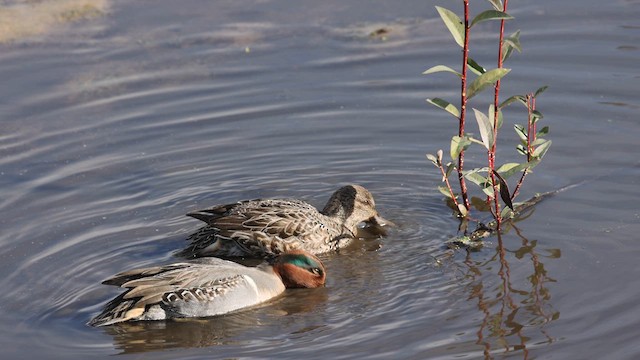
<point>536,115</point>
<point>538,142</point>
<point>440,68</point>
<point>458,145</point>
<point>514,41</point>
<point>490,15</point>
<point>488,191</point>
<point>507,50</point>
<point>433,159</point>
<point>504,190</point>
<point>544,131</point>
<point>463,210</point>
<point>484,80</point>
<point>511,42</point>
<point>475,177</point>
<point>513,98</point>
<point>522,133</point>
<point>507,170</point>
<point>445,191</point>
<point>540,91</point>
<point>472,139</point>
<point>522,150</point>
<point>486,130</point>
<point>539,152</point>
<point>450,167</point>
<point>475,67</point>
<point>453,23</point>
<point>492,114</point>
<point>533,163</point>
<point>446,106</point>
<point>497,4</point>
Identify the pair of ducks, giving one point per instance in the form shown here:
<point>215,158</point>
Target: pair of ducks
<point>285,231</point>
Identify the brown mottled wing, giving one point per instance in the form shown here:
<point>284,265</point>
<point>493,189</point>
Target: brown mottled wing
<point>283,218</point>
<point>261,225</point>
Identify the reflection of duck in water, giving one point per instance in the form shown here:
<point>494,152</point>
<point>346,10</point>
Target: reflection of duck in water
<point>206,287</point>
<point>264,227</point>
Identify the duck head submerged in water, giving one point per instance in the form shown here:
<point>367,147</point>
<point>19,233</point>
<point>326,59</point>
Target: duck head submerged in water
<point>206,287</point>
<point>267,227</point>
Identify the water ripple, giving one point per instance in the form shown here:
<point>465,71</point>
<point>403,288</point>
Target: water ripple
<point>111,135</point>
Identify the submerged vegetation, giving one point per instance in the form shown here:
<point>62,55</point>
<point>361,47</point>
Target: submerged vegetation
<point>474,78</point>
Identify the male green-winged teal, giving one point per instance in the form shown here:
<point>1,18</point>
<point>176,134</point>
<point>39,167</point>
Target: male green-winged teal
<point>267,227</point>
<point>206,287</point>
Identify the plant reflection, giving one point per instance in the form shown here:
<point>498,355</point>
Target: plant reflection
<point>513,305</point>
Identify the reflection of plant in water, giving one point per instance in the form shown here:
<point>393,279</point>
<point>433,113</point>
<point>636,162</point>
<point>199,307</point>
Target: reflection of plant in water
<point>510,311</point>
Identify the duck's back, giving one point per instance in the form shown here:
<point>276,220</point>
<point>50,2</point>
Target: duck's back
<point>262,226</point>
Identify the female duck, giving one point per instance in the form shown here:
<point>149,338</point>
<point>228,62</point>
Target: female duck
<point>266,227</point>
<point>206,287</point>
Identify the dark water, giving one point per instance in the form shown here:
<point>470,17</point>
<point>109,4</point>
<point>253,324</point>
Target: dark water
<point>112,128</point>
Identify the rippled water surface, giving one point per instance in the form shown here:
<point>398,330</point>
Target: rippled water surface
<point>120,117</point>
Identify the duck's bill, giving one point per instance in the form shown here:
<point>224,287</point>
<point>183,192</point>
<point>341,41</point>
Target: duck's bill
<point>375,227</point>
<point>380,221</point>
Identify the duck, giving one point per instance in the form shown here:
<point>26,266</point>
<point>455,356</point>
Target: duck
<point>206,287</point>
<point>263,228</point>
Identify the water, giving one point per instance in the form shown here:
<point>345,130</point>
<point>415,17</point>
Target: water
<point>115,126</point>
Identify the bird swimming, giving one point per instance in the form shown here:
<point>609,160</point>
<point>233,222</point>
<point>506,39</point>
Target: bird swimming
<point>267,227</point>
<point>206,287</point>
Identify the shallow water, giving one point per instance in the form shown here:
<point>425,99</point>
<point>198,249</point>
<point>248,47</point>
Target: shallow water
<point>113,127</point>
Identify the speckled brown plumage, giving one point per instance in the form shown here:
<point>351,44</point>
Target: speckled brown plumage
<point>267,227</point>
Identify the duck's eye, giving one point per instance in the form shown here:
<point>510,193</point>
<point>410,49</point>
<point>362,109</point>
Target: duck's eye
<point>316,271</point>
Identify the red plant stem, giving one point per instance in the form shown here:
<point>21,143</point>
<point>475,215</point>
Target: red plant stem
<point>463,104</point>
<point>531,128</point>
<point>535,124</point>
<point>446,181</point>
<point>496,109</point>
<point>531,137</point>
<point>517,189</point>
